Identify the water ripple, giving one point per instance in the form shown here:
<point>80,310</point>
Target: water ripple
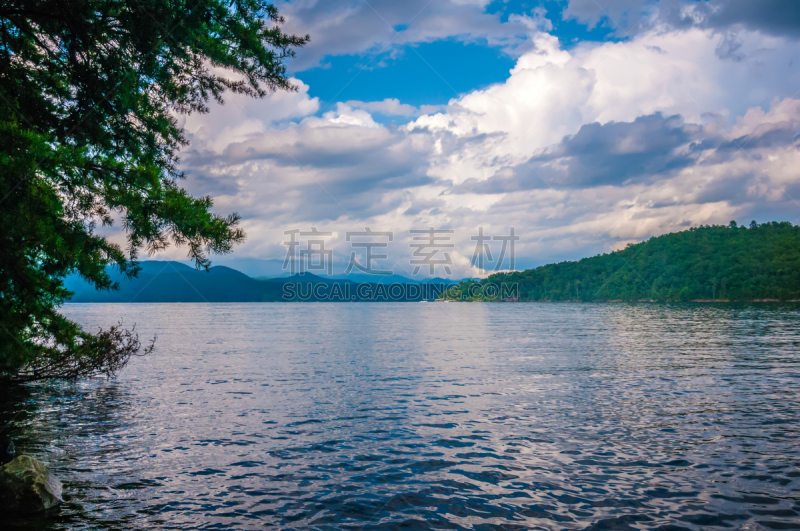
<point>457,416</point>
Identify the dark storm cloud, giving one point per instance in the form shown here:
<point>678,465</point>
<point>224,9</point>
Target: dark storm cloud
<point>775,17</point>
<point>732,189</point>
<point>770,139</point>
<point>768,136</point>
<point>649,148</point>
<point>616,153</point>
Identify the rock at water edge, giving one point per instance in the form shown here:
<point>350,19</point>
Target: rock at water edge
<point>27,486</point>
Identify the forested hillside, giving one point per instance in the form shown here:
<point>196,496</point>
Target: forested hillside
<point>708,262</point>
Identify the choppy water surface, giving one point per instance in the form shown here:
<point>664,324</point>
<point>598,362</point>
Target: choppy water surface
<point>442,416</point>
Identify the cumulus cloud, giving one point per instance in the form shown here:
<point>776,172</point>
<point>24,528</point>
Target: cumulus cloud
<point>621,14</point>
<point>648,149</point>
<point>350,27</point>
<point>393,107</point>
<point>319,168</point>
<point>774,17</point>
<point>578,150</point>
<point>616,153</point>
<point>552,93</point>
<point>242,116</point>
<point>356,27</point>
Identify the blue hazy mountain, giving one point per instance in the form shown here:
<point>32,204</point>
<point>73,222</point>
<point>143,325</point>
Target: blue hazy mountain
<point>164,281</point>
<point>176,282</point>
<point>269,269</point>
<point>392,279</point>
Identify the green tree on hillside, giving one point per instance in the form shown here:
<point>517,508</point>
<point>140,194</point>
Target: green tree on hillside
<point>730,262</point>
<point>89,93</point>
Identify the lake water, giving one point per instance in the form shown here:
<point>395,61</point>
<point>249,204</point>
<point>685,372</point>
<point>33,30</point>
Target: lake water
<point>439,416</point>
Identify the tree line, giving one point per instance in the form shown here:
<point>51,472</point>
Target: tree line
<point>711,262</point>
<point>90,92</point>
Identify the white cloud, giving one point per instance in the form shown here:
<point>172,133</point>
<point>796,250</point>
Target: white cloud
<point>774,17</point>
<point>242,117</point>
<point>353,27</point>
<point>394,107</point>
<point>552,93</point>
<point>731,123</point>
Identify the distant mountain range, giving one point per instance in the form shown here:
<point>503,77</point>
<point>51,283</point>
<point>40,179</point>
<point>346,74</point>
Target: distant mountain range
<point>162,281</point>
<point>275,268</point>
<point>758,262</point>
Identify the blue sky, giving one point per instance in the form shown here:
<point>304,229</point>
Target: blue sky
<point>424,74</point>
<point>433,73</point>
<point>583,124</point>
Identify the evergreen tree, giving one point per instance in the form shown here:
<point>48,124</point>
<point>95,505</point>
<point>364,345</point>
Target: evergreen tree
<point>89,93</point>
<point>730,262</point>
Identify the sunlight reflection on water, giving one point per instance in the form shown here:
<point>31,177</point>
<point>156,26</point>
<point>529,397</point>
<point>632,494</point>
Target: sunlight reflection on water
<point>474,416</point>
